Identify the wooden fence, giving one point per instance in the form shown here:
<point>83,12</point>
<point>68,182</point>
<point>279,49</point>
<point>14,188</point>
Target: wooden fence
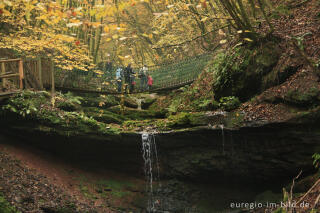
<point>12,70</point>
<point>18,74</point>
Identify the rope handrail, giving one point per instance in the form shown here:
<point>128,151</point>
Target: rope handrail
<point>167,76</point>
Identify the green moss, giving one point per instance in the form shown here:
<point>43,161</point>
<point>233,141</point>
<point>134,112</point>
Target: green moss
<point>181,119</point>
<point>5,206</point>
<point>302,98</point>
<point>36,107</point>
<point>203,104</point>
<point>240,71</point>
<point>147,102</point>
<point>229,103</point>
<point>178,121</point>
<point>234,120</point>
<point>115,188</point>
<point>68,102</point>
<point>197,119</point>
<point>184,119</point>
<point>103,115</point>
<point>135,114</point>
<point>266,56</point>
<point>101,101</point>
<point>131,124</point>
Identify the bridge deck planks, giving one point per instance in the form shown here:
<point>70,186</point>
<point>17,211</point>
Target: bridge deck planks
<point>9,93</point>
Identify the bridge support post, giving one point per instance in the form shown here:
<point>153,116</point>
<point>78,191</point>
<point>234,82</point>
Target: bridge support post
<point>21,76</point>
<point>40,72</point>
<point>3,72</point>
<point>123,87</point>
<point>53,90</point>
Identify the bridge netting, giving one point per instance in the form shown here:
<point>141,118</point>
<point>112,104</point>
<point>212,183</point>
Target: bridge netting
<point>165,76</point>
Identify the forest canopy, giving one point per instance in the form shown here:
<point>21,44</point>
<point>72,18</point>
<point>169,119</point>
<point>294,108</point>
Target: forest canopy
<point>80,33</point>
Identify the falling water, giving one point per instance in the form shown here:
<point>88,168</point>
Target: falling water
<point>150,157</point>
<point>139,101</point>
<point>222,132</point>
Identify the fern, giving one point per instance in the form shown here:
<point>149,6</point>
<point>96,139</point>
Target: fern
<point>316,159</point>
<point>73,99</point>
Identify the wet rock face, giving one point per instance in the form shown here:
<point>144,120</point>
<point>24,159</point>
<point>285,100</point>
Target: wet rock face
<point>268,153</point>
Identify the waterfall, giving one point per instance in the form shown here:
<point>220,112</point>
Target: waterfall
<point>139,101</point>
<point>222,132</point>
<point>151,162</point>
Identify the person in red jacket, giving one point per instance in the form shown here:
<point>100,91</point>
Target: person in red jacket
<point>150,82</point>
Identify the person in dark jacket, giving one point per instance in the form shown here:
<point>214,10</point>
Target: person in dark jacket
<point>143,75</point>
<point>119,74</point>
<point>128,73</point>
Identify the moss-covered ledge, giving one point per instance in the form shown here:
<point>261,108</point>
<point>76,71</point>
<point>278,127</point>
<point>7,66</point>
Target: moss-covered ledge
<point>35,110</point>
<point>192,145</point>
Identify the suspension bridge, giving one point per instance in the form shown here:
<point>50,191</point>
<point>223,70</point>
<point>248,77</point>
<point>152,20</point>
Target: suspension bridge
<point>39,74</point>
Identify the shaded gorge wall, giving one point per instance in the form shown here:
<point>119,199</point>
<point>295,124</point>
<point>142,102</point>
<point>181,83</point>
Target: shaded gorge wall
<point>267,153</point>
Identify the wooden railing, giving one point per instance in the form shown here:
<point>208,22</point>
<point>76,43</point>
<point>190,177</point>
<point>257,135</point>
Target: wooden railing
<point>35,74</point>
<point>12,73</point>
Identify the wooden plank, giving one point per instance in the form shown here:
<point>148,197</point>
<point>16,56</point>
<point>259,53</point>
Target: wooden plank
<point>52,78</point>
<point>10,75</point>
<point>7,73</point>
<point>7,94</point>
<point>10,60</point>
<point>3,71</point>
<point>21,76</point>
<point>40,72</point>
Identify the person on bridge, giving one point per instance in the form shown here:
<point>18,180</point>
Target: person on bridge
<point>128,72</point>
<point>119,74</point>
<point>150,82</point>
<point>143,78</point>
<point>133,83</point>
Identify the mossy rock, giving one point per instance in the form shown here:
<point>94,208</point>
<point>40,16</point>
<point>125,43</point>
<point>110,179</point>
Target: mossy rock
<point>233,120</point>
<point>99,101</point>
<point>135,114</point>
<point>241,71</point>
<point>205,104</point>
<point>38,110</point>
<point>309,116</point>
<point>130,102</point>
<point>266,57</point>
<point>303,98</point>
<point>103,115</point>
<point>179,120</point>
<point>197,119</point>
<point>229,103</point>
<point>185,119</point>
<point>147,102</point>
<point>68,106</point>
<point>278,76</point>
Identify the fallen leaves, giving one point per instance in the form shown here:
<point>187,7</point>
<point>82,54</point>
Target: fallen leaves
<point>32,192</point>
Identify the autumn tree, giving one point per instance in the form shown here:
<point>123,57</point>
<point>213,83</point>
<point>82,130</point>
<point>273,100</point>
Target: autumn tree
<point>38,28</point>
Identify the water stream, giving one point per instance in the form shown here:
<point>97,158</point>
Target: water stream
<point>222,133</point>
<point>139,102</point>
<point>151,170</point>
